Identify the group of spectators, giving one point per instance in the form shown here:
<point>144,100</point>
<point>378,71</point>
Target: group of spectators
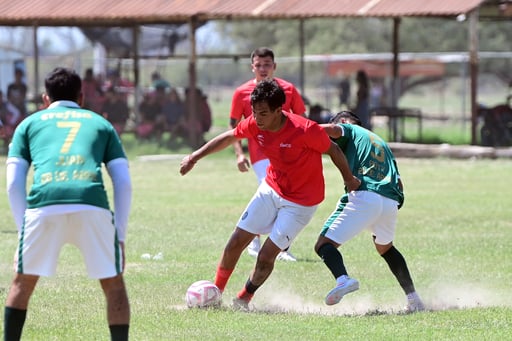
<point>165,110</point>
<point>13,106</point>
<point>161,109</point>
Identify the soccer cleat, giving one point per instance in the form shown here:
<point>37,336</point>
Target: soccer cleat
<point>414,303</point>
<point>254,247</point>
<point>286,256</point>
<point>347,286</point>
<point>240,304</point>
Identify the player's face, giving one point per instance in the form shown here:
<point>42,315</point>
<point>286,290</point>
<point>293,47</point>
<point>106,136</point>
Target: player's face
<point>267,119</point>
<point>263,68</point>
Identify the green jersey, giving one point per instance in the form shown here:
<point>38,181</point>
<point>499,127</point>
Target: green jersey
<point>67,146</point>
<point>372,161</point>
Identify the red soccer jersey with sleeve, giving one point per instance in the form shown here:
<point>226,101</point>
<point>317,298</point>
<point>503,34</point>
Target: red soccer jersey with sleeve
<point>295,154</point>
<point>241,108</point>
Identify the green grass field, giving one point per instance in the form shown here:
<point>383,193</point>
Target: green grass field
<point>454,230</point>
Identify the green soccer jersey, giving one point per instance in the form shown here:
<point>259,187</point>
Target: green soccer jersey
<point>67,146</point>
<point>372,161</point>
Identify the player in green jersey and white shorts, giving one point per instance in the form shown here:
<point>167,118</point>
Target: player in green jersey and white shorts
<point>373,206</point>
<point>67,202</point>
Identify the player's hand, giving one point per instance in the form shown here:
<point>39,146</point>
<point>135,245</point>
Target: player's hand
<point>242,163</point>
<point>186,164</point>
<point>352,184</point>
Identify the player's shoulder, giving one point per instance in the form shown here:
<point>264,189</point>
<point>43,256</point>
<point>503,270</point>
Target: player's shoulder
<point>284,83</point>
<point>247,86</point>
<point>300,121</point>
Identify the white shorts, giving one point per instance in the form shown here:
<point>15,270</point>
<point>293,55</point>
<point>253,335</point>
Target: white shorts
<point>364,210</point>
<point>268,213</point>
<point>260,169</point>
<point>92,231</point>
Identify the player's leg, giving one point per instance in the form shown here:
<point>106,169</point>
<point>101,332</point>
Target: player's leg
<point>354,212</point>
<point>95,235</point>
<point>16,305</point>
<point>383,235</point>
<point>232,251</point>
<point>118,307</point>
<point>332,258</point>
<point>256,219</point>
<point>291,218</point>
<point>262,270</point>
<point>39,246</point>
<point>400,270</point>
<point>260,170</point>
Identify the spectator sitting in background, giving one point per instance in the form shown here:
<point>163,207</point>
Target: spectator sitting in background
<point>115,110</point>
<point>91,89</point>
<point>205,112</point>
<point>122,86</point>
<point>10,117</point>
<point>196,125</point>
<point>173,111</point>
<point>17,92</point>
<point>150,122</point>
<point>158,81</point>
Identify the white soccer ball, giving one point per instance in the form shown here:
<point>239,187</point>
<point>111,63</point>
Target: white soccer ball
<point>203,294</point>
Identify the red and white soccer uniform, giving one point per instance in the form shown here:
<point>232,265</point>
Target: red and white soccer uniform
<point>241,108</point>
<point>295,154</point>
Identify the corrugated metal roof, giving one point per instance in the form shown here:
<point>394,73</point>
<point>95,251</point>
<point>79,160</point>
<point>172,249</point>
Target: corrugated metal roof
<point>129,12</point>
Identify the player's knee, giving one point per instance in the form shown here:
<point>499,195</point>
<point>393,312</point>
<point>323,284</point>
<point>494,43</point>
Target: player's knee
<point>324,248</point>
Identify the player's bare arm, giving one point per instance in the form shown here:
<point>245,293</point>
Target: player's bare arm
<point>333,130</point>
<point>340,161</point>
<point>242,162</point>
<point>216,144</point>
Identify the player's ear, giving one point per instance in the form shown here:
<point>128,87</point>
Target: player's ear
<point>80,99</point>
<point>46,100</point>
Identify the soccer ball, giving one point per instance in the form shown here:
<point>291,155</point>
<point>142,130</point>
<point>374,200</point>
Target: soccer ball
<point>203,294</point>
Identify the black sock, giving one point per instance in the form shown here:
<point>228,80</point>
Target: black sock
<point>251,288</point>
<point>119,332</point>
<point>332,259</point>
<point>14,319</point>
<point>398,267</point>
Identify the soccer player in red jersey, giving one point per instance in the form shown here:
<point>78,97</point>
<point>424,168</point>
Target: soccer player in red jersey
<point>287,198</point>
<point>263,67</point>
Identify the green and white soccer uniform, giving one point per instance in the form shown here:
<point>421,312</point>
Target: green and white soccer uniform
<point>371,161</point>
<point>67,202</point>
<point>67,166</point>
<point>374,205</point>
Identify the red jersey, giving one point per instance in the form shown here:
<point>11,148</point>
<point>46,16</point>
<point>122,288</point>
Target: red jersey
<point>295,155</point>
<point>241,108</point>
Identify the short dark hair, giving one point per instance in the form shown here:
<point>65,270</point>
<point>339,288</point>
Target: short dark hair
<point>268,91</point>
<point>63,84</point>
<point>262,52</point>
<point>348,115</point>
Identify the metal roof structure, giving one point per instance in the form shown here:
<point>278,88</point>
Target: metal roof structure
<point>136,12</point>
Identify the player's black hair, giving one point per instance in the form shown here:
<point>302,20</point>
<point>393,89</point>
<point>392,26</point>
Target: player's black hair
<point>262,52</point>
<point>348,115</point>
<point>270,92</point>
<point>63,84</point>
